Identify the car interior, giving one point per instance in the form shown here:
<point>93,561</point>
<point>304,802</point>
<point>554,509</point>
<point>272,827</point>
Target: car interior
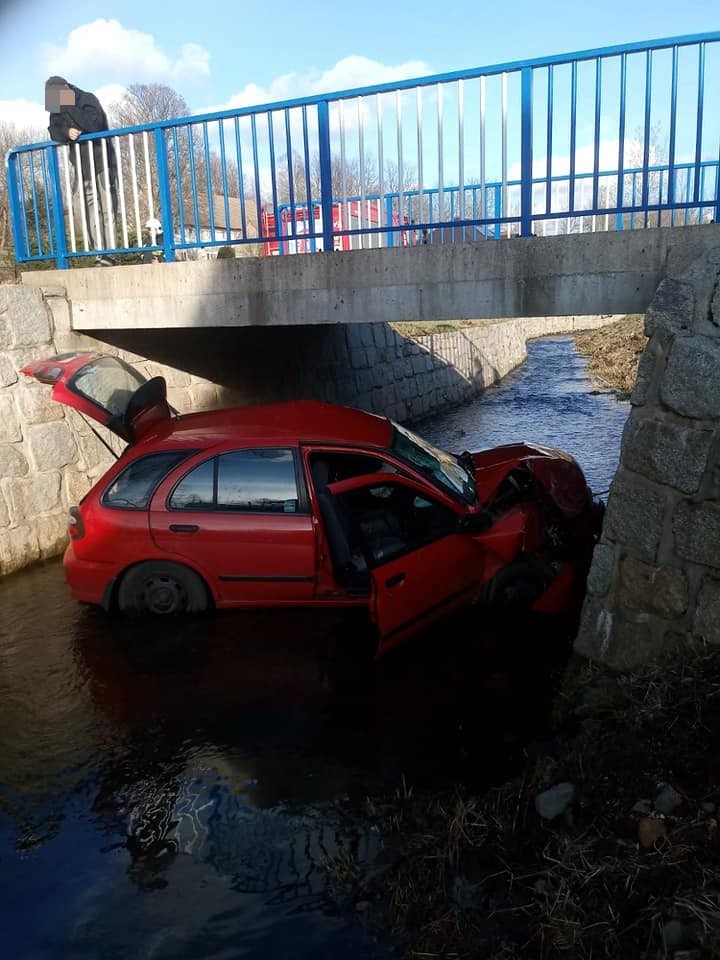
<point>371,525</point>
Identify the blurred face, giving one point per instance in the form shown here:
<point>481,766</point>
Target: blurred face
<point>58,98</point>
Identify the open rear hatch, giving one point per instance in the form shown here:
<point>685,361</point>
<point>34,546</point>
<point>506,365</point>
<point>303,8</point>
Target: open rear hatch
<point>106,389</point>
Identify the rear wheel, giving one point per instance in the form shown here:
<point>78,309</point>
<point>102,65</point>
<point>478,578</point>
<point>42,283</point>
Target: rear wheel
<point>159,588</point>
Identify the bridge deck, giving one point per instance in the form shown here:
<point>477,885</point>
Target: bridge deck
<point>524,277</point>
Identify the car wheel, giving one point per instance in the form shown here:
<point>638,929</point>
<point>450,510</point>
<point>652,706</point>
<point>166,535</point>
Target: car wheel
<point>515,588</point>
<point>158,588</point>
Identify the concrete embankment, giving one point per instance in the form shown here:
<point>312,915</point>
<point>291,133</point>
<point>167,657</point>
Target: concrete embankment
<point>49,457</point>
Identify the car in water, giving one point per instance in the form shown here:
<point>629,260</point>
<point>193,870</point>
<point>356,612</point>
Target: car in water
<point>310,504</point>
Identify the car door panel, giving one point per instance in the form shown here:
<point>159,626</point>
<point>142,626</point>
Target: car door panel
<point>422,566</point>
<point>423,586</point>
<point>260,551</point>
<point>254,558</point>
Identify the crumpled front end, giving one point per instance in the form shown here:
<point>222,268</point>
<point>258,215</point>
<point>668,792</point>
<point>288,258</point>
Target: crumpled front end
<point>543,495</point>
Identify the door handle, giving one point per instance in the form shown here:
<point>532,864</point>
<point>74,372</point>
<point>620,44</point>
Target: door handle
<point>396,580</point>
<point>184,528</point>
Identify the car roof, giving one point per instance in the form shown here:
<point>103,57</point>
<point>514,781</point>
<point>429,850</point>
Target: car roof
<point>287,423</point>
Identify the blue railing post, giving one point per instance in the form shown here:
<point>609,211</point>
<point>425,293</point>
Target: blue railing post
<point>326,197</point>
<point>497,200</point>
<point>526,152</point>
<point>58,211</point>
<point>389,219</point>
<point>166,217</point>
<point>16,211</point>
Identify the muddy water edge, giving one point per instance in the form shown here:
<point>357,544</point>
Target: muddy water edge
<point>202,790</point>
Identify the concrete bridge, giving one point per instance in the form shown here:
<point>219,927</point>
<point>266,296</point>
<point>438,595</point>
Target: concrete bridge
<point>594,273</point>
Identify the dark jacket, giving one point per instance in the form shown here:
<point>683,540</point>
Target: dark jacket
<point>88,116</point>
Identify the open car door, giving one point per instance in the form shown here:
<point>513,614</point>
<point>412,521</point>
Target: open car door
<point>107,390</point>
<point>421,564</point>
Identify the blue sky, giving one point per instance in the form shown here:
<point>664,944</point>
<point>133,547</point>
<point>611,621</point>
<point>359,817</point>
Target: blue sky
<point>224,54</point>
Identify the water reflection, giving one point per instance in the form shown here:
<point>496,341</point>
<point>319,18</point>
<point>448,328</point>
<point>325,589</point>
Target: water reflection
<point>197,760</point>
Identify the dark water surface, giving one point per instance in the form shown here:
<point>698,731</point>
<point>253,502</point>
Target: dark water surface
<point>180,792</point>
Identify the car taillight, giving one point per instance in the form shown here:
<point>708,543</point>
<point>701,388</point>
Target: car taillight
<point>75,523</point>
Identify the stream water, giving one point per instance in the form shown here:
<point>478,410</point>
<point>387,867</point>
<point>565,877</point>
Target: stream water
<point>186,793</point>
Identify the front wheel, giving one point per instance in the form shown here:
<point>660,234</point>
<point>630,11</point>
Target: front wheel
<point>159,588</point>
<point>515,588</point>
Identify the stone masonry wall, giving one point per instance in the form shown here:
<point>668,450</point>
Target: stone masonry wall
<point>49,457</point>
<point>655,577</point>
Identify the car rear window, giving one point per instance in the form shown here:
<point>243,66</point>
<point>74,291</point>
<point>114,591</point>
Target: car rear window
<point>133,488</point>
<point>108,382</point>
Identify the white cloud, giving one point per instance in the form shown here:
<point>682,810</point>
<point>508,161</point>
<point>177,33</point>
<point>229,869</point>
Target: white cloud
<point>348,73</point>
<point>123,53</point>
<point>25,115</point>
<point>585,159</point>
<point>109,95</point>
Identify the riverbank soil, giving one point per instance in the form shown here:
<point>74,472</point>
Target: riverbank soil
<point>614,353</point>
<point>606,844</point>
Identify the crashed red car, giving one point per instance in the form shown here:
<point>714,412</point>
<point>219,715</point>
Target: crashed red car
<point>312,504</point>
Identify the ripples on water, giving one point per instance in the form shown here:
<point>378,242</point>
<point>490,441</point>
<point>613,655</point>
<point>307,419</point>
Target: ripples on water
<point>548,400</point>
<point>179,792</point>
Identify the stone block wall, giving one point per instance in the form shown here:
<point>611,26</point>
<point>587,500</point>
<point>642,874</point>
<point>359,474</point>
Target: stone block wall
<point>49,456</point>
<point>655,577</point>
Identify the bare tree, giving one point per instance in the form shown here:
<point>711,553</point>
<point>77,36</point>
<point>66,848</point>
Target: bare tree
<point>148,103</point>
<point>348,181</point>
<point>393,182</point>
<point>656,182</point>
<point>151,103</point>
<point>11,136</point>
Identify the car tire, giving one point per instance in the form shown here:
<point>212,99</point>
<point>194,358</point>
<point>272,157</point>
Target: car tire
<point>516,587</point>
<point>160,588</point>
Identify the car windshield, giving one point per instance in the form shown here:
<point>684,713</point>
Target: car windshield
<point>436,464</point>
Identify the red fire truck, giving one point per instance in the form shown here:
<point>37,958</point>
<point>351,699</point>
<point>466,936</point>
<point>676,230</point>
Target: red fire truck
<point>346,216</point>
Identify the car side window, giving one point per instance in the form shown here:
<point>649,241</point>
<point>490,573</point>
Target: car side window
<point>133,487</point>
<point>391,519</point>
<point>196,490</point>
<point>329,466</point>
<point>257,481</point>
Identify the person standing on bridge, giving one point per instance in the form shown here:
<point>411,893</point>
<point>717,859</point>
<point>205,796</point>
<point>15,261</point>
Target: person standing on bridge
<point>73,112</point>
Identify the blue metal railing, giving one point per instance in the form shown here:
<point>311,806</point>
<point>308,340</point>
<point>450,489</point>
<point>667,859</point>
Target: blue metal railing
<point>615,138</point>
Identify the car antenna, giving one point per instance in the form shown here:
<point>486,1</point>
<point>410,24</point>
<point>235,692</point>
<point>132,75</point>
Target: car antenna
<point>100,438</point>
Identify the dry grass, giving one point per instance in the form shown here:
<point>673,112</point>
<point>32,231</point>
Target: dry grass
<point>426,327</point>
<point>342,870</point>
<point>614,352</point>
<point>485,877</point>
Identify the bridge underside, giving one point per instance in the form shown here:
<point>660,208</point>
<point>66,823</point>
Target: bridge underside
<point>578,274</point>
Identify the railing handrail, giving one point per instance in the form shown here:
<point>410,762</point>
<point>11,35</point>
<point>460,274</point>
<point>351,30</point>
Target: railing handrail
<point>391,87</point>
<point>175,169</point>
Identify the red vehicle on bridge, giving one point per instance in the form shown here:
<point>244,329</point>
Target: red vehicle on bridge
<point>297,221</point>
<point>312,504</point>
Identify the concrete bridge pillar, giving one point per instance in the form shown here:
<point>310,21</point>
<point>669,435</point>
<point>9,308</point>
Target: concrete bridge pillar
<point>655,577</point>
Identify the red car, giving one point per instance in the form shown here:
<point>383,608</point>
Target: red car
<point>311,504</point>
